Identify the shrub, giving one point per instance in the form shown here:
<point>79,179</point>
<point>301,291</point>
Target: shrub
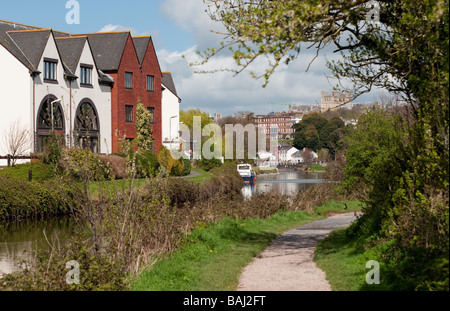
<point>187,167</point>
<point>82,164</point>
<point>116,163</point>
<point>178,168</point>
<point>165,159</point>
<point>207,165</point>
<point>22,199</point>
<point>48,271</point>
<point>147,164</point>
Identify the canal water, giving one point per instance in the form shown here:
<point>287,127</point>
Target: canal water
<point>288,183</point>
<point>18,240</point>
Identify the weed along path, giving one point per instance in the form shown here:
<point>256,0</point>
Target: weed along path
<point>288,264</point>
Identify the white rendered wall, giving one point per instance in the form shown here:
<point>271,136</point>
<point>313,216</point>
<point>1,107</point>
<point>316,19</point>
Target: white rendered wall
<point>15,96</point>
<point>100,95</point>
<point>170,108</point>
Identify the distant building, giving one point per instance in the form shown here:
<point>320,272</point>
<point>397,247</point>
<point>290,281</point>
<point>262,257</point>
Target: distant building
<point>274,126</point>
<point>218,116</point>
<point>335,100</point>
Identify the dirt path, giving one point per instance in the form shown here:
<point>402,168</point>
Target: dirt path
<point>288,264</point>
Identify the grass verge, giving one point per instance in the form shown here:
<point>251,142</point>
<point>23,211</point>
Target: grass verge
<point>212,257</point>
<point>344,259</point>
<point>201,178</point>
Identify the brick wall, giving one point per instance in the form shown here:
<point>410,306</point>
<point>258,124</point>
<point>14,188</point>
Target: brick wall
<point>122,97</point>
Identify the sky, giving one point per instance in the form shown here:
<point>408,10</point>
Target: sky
<point>179,29</point>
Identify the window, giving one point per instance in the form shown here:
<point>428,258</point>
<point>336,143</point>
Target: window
<point>150,83</point>
<point>86,74</point>
<point>128,80</point>
<point>50,69</point>
<point>87,127</point>
<point>128,113</point>
<point>48,121</point>
<point>152,112</point>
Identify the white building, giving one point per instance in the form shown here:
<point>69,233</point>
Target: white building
<point>170,113</point>
<point>51,82</point>
<point>285,154</point>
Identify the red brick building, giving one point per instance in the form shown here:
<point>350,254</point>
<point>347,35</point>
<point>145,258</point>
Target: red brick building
<point>274,126</point>
<point>134,68</point>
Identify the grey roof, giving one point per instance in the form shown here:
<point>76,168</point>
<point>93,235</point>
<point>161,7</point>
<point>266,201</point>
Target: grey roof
<point>70,49</point>
<point>31,43</point>
<point>7,42</point>
<point>167,81</point>
<point>141,45</point>
<point>107,48</point>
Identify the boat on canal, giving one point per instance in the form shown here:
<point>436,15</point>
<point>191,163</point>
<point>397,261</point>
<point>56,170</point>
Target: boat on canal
<point>247,173</point>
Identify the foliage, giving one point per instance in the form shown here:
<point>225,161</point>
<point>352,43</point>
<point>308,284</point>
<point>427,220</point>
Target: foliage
<point>117,164</point>
<point>206,164</point>
<point>22,199</point>
<point>53,150</point>
<point>82,164</point>
<point>147,164</point>
<point>317,132</point>
<point>187,167</point>
<point>187,118</point>
<point>144,132</point>
<point>406,206</point>
<point>98,272</point>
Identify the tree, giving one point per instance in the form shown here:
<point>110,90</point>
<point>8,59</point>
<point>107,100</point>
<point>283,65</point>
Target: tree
<point>17,141</point>
<point>144,132</point>
<point>187,118</point>
<point>401,162</point>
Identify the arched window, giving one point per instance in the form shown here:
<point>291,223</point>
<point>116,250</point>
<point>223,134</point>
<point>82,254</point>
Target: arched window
<point>87,128</point>
<point>48,121</point>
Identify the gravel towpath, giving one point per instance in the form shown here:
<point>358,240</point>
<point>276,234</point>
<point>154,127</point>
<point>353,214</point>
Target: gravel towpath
<point>288,264</point>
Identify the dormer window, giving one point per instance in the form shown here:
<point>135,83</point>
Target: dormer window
<point>50,69</point>
<point>86,75</point>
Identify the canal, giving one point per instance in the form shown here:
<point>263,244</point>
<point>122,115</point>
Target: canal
<point>18,240</point>
<point>285,182</point>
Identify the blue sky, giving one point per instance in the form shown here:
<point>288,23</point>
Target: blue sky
<point>180,28</point>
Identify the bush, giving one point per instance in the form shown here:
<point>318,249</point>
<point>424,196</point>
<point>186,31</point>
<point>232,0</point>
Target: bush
<point>48,271</point>
<point>147,164</point>
<point>187,167</point>
<point>40,171</point>
<point>207,165</point>
<point>82,164</point>
<point>178,168</point>
<point>116,163</point>
<point>22,199</point>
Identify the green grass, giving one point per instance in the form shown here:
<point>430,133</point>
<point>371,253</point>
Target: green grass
<point>317,167</point>
<point>200,179</point>
<point>114,185</point>
<point>40,171</point>
<point>344,260</point>
<point>212,257</point>
<point>334,206</point>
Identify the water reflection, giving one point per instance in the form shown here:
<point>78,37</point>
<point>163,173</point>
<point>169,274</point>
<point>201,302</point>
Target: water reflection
<point>287,183</point>
<point>19,240</point>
